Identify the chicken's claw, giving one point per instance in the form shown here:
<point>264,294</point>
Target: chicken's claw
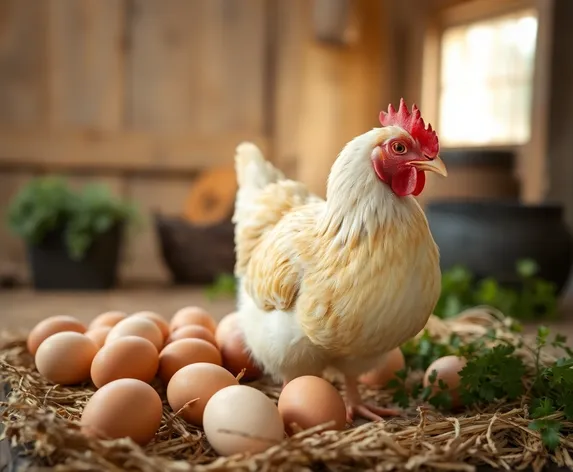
<point>369,412</point>
<point>355,405</point>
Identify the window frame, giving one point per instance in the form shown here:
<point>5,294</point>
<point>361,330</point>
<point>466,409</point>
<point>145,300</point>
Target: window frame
<point>460,14</point>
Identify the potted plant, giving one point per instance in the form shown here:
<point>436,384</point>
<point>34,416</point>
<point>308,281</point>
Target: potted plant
<point>73,238</point>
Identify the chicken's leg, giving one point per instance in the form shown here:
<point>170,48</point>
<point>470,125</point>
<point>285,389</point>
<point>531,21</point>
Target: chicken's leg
<point>355,405</point>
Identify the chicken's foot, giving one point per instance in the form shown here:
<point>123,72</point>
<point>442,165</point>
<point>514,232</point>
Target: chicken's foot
<point>355,405</point>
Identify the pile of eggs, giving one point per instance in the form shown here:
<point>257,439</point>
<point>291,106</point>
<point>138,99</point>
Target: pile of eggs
<point>200,363</point>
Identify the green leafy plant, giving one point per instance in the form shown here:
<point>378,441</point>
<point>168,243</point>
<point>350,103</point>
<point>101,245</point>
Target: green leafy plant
<point>94,211</point>
<point>47,205</point>
<point>39,208</point>
<point>496,373</point>
<point>533,298</point>
<point>420,352</point>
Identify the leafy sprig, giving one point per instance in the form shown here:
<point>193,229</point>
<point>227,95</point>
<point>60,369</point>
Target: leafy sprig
<point>225,285</point>
<point>494,374</point>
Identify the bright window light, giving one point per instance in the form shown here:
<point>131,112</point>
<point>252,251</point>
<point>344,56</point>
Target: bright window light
<point>486,81</point>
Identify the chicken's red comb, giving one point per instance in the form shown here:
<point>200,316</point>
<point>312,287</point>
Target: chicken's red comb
<point>413,124</point>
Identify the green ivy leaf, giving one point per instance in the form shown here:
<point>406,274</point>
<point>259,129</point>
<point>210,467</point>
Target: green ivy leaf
<point>543,408</point>
<point>401,398</point>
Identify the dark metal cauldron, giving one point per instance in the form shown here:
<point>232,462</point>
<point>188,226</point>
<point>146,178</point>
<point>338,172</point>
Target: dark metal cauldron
<point>489,237</point>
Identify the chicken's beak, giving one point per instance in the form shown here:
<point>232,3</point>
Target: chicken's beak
<point>435,165</point>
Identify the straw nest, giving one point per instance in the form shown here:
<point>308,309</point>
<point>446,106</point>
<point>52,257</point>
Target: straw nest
<point>43,419</point>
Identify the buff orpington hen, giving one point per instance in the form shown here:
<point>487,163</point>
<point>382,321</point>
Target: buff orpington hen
<point>338,283</point>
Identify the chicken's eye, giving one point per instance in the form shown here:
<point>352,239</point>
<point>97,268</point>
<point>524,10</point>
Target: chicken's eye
<point>398,148</point>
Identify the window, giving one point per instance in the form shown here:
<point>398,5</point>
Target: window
<point>486,81</point>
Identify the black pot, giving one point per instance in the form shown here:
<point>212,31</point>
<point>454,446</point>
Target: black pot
<point>503,159</point>
<point>195,254</point>
<point>53,269</point>
<point>475,172</point>
<point>489,237</point>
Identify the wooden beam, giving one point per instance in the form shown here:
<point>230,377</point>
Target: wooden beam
<point>559,139</point>
<point>477,10</point>
<point>289,28</point>
<point>533,161</point>
<point>118,152</point>
<point>343,90</point>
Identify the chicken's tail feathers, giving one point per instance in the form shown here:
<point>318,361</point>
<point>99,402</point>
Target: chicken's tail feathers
<point>253,170</point>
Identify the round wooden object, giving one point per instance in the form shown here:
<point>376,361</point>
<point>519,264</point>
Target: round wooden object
<point>212,197</point>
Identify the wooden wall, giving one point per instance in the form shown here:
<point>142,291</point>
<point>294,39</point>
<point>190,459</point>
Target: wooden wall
<point>143,95</point>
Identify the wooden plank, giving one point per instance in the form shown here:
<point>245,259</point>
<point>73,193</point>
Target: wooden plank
<point>107,151</point>
<point>163,64</point>
<point>143,260</point>
<point>197,64</point>
<point>115,184</point>
<point>13,259</point>
<point>244,58</point>
<point>476,10</point>
<point>86,54</point>
<point>22,62</point>
<point>290,25</point>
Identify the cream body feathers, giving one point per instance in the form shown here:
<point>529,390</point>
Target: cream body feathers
<point>333,283</point>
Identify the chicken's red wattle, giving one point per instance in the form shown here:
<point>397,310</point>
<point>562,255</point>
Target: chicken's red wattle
<point>406,181</point>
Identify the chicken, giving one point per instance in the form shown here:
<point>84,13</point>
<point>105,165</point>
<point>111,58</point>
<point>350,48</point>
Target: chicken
<point>338,283</point>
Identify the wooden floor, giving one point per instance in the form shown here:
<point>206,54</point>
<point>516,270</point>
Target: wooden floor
<point>22,309</point>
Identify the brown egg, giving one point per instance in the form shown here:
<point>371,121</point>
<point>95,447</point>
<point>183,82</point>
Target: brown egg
<point>65,358</point>
<point>226,326</point>
<point>193,315</point>
<point>200,380</point>
<point>448,369</point>
<point>141,327</point>
<point>109,318</point>
<point>236,357</point>
<point>157,319</point>
<point>98,335</point>
<point>52,325</point>
<point>124,408</point>
<point>183,352</point>
<point>128,357</point>
<point>382,375</point>
<point>192,331</point>
<point>310,401</point>
<point>252,419</point>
